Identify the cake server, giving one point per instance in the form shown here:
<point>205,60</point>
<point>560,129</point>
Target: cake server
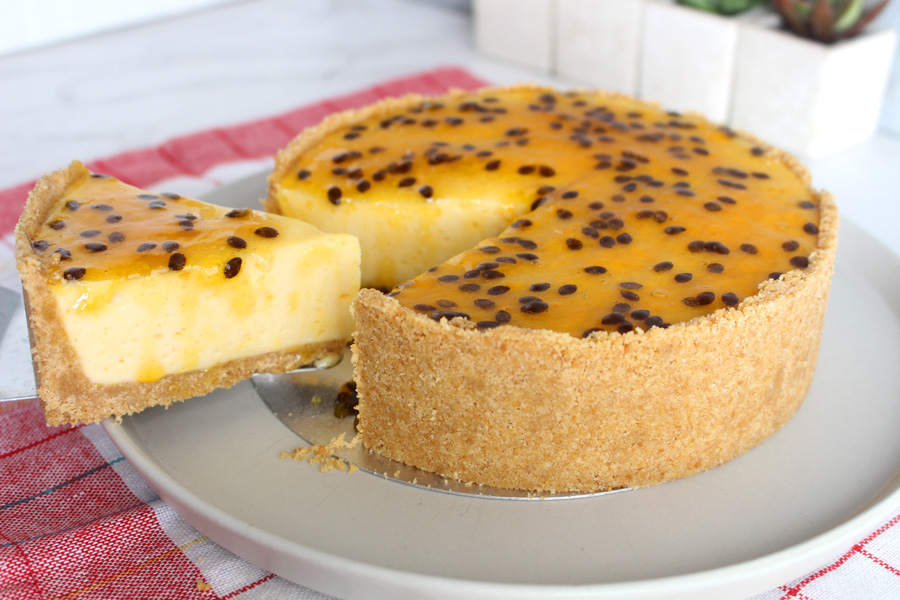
<point>17,382</point>
<point>303,400</point>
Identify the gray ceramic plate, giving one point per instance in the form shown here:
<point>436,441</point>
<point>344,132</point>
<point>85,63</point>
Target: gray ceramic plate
<point>786,507</point>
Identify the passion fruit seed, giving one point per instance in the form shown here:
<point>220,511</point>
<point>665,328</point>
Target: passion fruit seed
<point>232,268</point>
<point>236,242</point>
<point>177,261</point>
<point>74,274</point>
<point>266,232</point>
<point>346,401</point>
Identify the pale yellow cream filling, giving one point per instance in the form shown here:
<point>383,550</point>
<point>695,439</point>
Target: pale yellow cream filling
<point>143,328</point>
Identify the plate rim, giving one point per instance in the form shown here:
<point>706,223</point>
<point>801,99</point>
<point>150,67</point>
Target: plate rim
<point>813,551</point>
<point>764,572</point>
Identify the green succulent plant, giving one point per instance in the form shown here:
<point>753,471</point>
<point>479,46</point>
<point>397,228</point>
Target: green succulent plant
<point>828,21</point>
<point>722,7</point>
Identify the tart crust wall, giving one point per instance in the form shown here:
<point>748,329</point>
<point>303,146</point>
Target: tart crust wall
<point>544,411</point>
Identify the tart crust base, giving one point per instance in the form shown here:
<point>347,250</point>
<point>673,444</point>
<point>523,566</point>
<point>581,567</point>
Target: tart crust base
<point>66,394</point>
<point>544,411</point>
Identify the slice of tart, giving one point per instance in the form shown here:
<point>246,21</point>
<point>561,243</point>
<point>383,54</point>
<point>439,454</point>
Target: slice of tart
<point>652,308</point>
<point>136,298</point>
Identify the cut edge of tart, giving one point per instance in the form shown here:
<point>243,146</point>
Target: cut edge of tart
<point>389,258</point>
<point>69,395</point>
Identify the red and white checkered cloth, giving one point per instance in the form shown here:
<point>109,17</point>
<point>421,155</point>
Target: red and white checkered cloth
<point>76,521</point>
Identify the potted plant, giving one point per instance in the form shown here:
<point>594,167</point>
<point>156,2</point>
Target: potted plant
<point>827,21</point>
<point>813,78</point>
<point>723,7</point>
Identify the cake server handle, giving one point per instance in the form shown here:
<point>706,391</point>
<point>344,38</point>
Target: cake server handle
<point>16,371</point>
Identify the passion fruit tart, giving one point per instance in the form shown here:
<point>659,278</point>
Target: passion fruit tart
<point>138,298</point>
<point>645,300</point>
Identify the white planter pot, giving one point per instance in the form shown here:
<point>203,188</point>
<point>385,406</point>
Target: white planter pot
<point>598,42</point>
<point>688,59</point>
<point>516,31</point>
<point>809,98</point>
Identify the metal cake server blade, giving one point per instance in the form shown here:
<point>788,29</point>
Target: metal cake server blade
<point>304,401</point>
<point>17,382</point>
